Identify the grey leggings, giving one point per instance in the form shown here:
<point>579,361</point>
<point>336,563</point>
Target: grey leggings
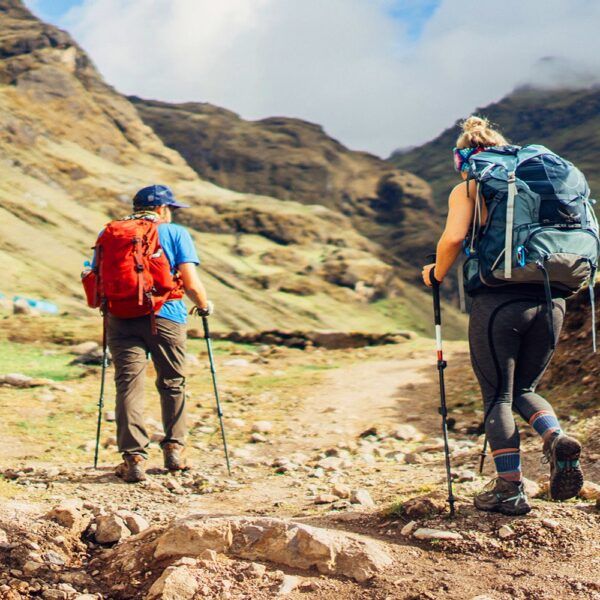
<point>509,339</point>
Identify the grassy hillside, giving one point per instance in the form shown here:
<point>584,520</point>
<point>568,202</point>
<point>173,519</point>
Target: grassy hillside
<point>296,160</point>
<point>566,121</point>
<point>73,151</point>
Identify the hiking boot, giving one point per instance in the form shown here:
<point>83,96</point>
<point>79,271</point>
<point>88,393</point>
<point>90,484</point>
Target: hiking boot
<point>173,454</point>
<point>132,468</point>
<point>566,477</point>
<point>503,496</point>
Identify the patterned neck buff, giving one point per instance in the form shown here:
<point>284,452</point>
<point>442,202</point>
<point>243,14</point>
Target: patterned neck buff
<point>462,156</point>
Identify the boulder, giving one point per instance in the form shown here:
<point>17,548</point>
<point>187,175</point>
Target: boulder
<point>279,541</point>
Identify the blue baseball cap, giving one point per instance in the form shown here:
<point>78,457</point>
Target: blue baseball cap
<point>157,195</point>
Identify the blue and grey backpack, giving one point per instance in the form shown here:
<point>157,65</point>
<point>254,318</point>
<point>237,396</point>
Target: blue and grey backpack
<point>540,227</point>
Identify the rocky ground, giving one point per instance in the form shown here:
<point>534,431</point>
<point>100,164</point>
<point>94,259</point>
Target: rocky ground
<point>337,491</point>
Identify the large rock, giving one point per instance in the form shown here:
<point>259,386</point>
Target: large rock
<point>283,542</point>
<point>111,529</point>
<point>176,583</point>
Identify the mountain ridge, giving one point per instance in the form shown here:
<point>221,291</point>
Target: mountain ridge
<point>73,151</point>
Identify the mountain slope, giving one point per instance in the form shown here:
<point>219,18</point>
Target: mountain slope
<point>566,121</point>
<point>72,153</point>
<point>293,159</point>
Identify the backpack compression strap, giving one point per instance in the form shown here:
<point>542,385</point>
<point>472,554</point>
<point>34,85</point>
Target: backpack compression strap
<point>510,219</point>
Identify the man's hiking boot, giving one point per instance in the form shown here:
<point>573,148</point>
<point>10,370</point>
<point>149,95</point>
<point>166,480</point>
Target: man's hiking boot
<point>173,454</point>
<point>566,477</point>
<point>503,496</point>
<point>132,468</point>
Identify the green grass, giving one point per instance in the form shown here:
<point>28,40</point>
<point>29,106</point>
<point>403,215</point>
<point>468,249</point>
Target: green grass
<point>35,360</point>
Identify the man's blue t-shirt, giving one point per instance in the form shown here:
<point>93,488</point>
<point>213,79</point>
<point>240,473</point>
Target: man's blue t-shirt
<point>179,248</point>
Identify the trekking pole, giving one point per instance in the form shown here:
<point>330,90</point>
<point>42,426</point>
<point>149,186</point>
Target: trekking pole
<point>216,390</point>
<point>483,454</point>
<point>441,365</point>
<point>102,383</point>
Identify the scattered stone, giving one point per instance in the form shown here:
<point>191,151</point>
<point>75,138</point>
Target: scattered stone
<point>436,534</point>
<point>31,567</point>
<point>239,423</point>
<point>69,516</point>
<point>466,475</point>
<point>258,438</point>
<point>424,506</point>
<point>175,583</point>
<point>341,490</point>
<point>54,558</point>
<point>236,362</point>
<point>173,485</point>
<point>83,348</point>
<point>256,570</point>
<point>590,491</point>
<point>407,433</point>
<point>262,427</point>
<point>506,532</point>
<point>532,488</point>
<point>326,499</point>
<point>550,523</point>
<point>135,523</point>
<point>93,357</point>
<point>330,463</point>
<point>363,498</point>
<point>371,431</point>
<point>16,380</point>
<point>288,585</point>
<point>409,528</point>
<point>110,529</point>
<point>109,416</point>
<point>414,458</point>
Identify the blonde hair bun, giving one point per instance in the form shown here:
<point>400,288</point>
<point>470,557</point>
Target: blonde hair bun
<point>478,131</point>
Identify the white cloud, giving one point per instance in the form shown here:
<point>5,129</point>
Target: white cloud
<point>347,64</point>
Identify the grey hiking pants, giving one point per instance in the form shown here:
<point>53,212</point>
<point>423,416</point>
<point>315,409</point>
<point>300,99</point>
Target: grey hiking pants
<point>130,342</point>
<point>510,346</point>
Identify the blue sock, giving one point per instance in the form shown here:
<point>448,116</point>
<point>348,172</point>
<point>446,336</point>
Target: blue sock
<point>545,423</point>
<point>508,463</point>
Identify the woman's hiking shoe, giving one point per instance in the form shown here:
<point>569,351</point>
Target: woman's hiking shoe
<point>132,468</point>
<point>503,496</point>
<point>173,454</point>
<point>566,477</point>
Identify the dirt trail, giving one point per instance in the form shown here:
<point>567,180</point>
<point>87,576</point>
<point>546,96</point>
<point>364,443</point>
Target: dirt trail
<point>381,388</point>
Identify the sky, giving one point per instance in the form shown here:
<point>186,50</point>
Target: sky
<point>377,74</point>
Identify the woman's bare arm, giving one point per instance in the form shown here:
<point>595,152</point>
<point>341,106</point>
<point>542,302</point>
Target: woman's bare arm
<point>460,216</point>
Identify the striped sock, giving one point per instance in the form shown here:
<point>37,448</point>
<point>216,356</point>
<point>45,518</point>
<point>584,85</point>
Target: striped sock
<point>545,423</point>
<point>508,463</point>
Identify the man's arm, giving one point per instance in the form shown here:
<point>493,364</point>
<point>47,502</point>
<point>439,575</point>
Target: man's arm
<point>194,288</point>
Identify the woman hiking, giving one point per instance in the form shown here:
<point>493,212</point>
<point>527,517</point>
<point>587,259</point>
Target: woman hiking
<point>512,339</point>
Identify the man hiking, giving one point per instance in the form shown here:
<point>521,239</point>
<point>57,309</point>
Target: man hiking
<point>531,239</point>
<point>144,264</point>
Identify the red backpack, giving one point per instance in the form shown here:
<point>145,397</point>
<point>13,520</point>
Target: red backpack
<point>132,276</point>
